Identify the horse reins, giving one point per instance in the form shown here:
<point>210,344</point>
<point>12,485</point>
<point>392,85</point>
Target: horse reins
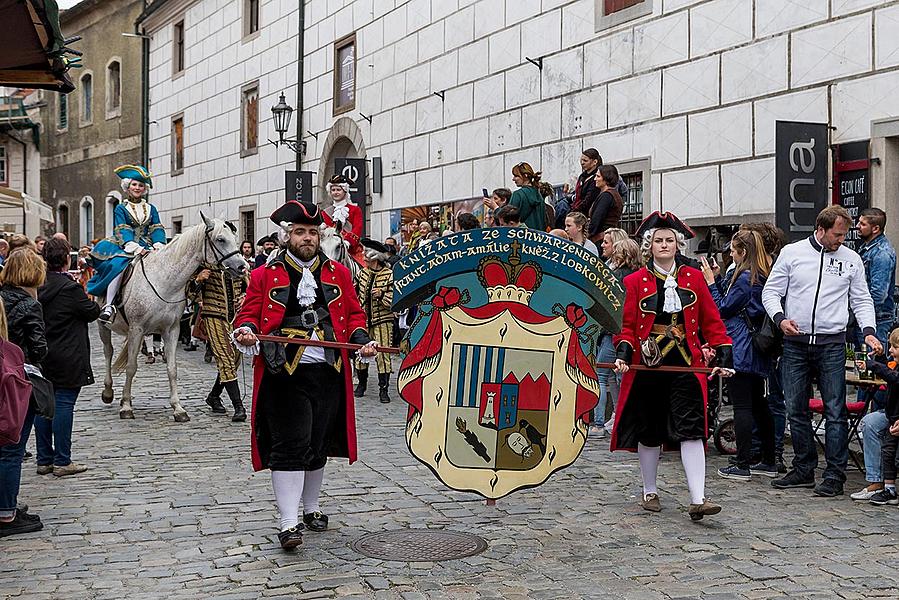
<point>221,258</point>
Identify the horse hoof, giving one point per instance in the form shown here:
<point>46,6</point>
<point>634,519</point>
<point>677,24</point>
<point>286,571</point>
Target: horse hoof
<point>126,414</point>
<point>182,418</point>
<point>107,396</point>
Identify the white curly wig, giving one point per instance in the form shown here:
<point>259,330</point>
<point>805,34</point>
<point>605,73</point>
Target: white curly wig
<point>646,244</point>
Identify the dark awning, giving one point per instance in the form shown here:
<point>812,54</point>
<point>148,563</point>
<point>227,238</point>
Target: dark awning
<point>31,46</point>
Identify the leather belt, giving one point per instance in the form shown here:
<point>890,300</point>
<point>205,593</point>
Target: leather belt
<point>673,332</point>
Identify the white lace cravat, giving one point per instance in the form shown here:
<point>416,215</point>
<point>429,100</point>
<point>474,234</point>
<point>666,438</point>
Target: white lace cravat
<point>306,288</point>
<point>341,211</point>
<point>672,299</point>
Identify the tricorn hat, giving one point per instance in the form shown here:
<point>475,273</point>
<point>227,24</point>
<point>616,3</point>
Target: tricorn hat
<point>301,213</point>
<point>269,238</point>
<point>339,180</point>
<point>664,220</point>
<point>374,245</point>
<point>135,172</point>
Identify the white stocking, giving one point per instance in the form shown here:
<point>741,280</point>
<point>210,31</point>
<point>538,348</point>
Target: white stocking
<point>312,489</point>
<point>288,486</point>
<point>113,288</point>
<point>649,467</point>
<point>692,454</point>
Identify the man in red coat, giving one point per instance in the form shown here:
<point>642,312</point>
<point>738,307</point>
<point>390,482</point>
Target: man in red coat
<point>302,396</point>
<point>347,214</point>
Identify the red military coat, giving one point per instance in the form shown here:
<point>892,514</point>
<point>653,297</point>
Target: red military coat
<point>700,316</point>
<point>351,231</point>
<point>264,308</point>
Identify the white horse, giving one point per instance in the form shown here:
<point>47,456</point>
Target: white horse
<point>153,300</point>
<point>335,248</point>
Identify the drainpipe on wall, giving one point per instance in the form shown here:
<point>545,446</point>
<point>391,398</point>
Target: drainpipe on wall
<point>145,98</point>
<point>301,49</point>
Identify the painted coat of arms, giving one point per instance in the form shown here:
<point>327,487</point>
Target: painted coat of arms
<point>497,372</point>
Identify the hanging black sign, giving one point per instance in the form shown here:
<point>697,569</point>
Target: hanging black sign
<point>298,187</point>
<point>800,176</point>
<point>851,179</point>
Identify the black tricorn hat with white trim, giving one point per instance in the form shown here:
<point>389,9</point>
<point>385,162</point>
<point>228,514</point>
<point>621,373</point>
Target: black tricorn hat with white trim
<point>664,220</point>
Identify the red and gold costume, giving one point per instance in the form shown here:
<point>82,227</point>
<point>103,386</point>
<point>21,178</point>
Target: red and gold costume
<point>351,229</point>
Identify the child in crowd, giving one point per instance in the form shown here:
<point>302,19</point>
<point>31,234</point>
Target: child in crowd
<point>888,451</point>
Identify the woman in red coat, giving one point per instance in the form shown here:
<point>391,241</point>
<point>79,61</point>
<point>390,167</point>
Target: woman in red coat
<point>348,214</point>
<point>668,309</point>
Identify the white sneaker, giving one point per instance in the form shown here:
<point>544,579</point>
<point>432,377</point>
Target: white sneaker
<point>610,424</point>
<point>864,494</point>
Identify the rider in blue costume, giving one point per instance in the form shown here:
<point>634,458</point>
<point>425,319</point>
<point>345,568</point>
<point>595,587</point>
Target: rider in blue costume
<point>136,228</point>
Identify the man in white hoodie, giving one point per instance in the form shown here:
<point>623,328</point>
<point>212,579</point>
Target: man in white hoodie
<point>808,295</point>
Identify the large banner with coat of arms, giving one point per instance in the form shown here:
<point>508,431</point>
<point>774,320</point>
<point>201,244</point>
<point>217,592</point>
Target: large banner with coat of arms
<point>498,370</point>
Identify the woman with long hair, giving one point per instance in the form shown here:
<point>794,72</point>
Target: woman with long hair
<point>740,304</point>
<point>527,198</point>
<point>609,238</point>
<point>624,260</point>
<point>667,311</point>
<point>576,228</point>
<point>606,212</point>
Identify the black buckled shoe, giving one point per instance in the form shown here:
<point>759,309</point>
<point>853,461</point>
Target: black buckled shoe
<point>21,523</point>
<point>291,538</point>
<point>315,521</point>
<point>215,403</point>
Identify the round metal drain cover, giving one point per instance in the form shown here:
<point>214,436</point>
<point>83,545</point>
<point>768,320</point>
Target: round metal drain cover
<point>419,545</point>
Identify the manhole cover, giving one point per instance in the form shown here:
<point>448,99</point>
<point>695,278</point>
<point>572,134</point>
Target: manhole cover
<point>419,545</point>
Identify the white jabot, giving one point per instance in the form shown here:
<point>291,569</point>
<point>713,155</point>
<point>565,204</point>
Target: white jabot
<point>306,288</point>
<point>341,211</point>
<point>672,299</point>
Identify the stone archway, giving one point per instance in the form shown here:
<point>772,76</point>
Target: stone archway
<point>344,141</point>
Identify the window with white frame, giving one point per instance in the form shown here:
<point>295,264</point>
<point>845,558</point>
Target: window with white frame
<point>114,88</point>
<point>249,119</point>
<point>62,219</point>
<point>87,98</point>
<point>610,13</point>
<point>112,200</point>
<point>4,167</point>
<point>86,228</point>
<point>177,144</point>
<point>178,48</point>
<point>177,225</point>
<point>250,17</point>
<point>248,225</point>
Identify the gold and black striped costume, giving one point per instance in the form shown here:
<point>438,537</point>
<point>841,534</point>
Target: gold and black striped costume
<point>218,297</point>
<point>379,318</point>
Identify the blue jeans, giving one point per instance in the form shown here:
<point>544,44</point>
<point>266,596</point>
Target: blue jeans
<point>874,426</point>
<point>829,362</point>
<point>58,430</point>
<point>11,468</point>
<point>605,353</point>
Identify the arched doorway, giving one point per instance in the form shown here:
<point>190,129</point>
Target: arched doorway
<point>86,222</point>
<point>343,141</point>
<point>113,198</point>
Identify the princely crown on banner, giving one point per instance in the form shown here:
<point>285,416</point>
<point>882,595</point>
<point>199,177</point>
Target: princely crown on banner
<point>509,281</point>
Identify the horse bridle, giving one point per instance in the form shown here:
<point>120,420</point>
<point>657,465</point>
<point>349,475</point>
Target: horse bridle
<point>207,241</point>
<point>218,254</point>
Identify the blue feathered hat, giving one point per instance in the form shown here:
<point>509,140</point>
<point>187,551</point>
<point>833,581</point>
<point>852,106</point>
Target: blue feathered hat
<point>135,172</point>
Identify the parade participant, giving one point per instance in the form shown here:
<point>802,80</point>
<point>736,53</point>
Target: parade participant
<point>347,213</point>
<point>220,297</point>
<point>136,227</point>
<point>268,244</point>
<point>667,308</point>
<point>303,408</point>
<point>374,285</point>
<point>246,250</point>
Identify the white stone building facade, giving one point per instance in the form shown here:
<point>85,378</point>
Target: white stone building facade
<point>684,92</point>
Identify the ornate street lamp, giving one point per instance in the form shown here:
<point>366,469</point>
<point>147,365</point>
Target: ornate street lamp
<point>281,113</point>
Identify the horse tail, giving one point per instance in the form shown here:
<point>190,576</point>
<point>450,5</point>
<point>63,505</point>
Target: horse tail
<point>121,361</point>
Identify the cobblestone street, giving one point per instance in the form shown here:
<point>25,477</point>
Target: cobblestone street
<point>171,510</point>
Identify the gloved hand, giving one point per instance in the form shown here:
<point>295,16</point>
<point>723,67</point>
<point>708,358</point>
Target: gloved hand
<point>132,247</point>
<point>158,245</point>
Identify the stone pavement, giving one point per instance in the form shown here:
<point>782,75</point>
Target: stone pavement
<point>172,511</point>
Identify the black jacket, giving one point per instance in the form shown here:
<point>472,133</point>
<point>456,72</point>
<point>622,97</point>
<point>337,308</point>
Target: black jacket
<point>67,311</point>
<point>891,376</point>
<point>606,214</point>
<point>586,193</point>
<point>26,323</point>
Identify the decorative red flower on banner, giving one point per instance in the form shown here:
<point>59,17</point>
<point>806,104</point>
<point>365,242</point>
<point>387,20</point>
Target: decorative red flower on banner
<point>446,298</point>
<point>575,317</point>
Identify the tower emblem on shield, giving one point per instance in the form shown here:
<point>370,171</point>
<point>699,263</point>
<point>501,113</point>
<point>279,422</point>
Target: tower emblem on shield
<point>497,375</point>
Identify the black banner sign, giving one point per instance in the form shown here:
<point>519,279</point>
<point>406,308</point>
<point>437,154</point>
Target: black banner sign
<point>298,187</point>
<point>800,176</point>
